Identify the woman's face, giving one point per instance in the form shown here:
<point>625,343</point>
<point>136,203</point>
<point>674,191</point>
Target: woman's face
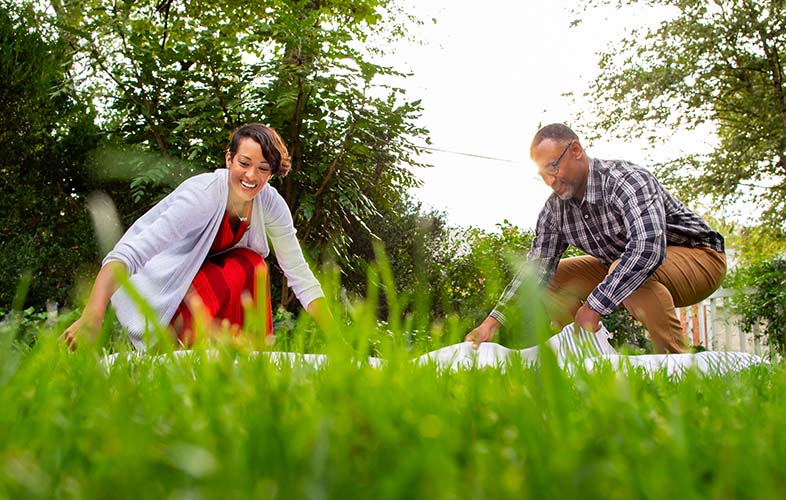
<point>248,171</point>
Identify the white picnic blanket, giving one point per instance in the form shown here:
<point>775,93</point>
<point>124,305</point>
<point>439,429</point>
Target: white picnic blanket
<point>590,350</point>
<point>572,348</point>
<point>569,345</point>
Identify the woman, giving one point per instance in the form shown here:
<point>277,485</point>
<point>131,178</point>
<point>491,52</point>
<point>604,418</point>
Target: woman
<point>203,246</point>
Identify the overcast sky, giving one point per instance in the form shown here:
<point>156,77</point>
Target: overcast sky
<point>489,75</point>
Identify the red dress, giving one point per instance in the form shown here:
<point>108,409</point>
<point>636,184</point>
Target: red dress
<point>222,281</point>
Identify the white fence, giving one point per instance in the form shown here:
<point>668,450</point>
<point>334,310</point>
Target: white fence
<point>712,324</point>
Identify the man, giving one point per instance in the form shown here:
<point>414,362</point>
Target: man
<point>646,250</point>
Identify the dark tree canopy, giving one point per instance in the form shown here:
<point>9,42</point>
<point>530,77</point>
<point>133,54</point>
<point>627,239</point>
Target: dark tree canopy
<point>46,131</point>
<point>176,77</point>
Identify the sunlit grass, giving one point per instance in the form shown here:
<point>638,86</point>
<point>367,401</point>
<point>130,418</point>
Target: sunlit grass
<point>222,422</point>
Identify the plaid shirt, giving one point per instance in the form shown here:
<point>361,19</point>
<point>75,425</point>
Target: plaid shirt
<point>626,214</point>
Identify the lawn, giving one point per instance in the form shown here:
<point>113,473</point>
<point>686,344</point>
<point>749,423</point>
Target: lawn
<point>226,424</point>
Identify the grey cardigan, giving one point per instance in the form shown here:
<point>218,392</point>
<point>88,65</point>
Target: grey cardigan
<point>164,249</point>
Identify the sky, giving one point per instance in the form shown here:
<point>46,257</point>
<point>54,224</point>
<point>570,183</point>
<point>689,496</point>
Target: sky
<point>489,75</point>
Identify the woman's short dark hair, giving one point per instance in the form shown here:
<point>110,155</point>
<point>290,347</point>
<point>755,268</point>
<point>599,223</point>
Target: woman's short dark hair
<point>556,132</point>
<point>273,148</point>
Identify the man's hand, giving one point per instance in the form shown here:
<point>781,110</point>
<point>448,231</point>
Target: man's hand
<point>483,333</point>
<point>587,318</point>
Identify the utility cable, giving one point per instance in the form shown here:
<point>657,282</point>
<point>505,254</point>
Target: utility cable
<point>471,155</point>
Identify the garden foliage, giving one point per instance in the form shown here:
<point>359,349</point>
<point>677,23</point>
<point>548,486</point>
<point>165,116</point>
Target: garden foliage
<point>716,66</point>
<point>46,132</point>
<point>761,300</point>
<point>175,79</point>
<point>132,98</point>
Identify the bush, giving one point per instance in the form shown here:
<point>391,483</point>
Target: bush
<point>761,299</point>
<point>444,274</point>
<point>45,134</point>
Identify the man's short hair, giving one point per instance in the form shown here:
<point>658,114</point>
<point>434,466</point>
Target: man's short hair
<point>556,132</point>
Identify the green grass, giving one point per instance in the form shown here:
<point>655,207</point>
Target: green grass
<point>226,424</point>
<point>238,426</point>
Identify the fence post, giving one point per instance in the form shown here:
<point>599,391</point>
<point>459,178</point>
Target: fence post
<point>726,332</point>
<point>711,323</point>
<point>710,319</point>
<point>756,345</point>
<point>702,316</point>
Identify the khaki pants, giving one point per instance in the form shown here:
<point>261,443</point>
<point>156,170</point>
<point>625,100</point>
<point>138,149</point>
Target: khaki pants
<point>686,276</point>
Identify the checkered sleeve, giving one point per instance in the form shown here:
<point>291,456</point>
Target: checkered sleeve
<point>638,199</point>
<point>547,248</point>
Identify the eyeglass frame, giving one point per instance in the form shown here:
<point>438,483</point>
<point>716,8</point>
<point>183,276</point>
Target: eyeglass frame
<point>552,167</point>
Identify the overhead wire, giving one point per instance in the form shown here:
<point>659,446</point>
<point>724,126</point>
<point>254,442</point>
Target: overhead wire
<point>471,155</point>
<point>474,155</point>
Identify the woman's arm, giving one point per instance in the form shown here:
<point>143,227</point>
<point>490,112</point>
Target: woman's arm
<point>89,323</point>
<point>280,230</point>
<point>319,310</point>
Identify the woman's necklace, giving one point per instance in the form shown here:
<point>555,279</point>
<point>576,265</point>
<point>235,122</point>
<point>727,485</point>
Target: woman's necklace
<point>241,214</point>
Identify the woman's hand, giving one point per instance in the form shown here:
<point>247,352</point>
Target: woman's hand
<point>319,310</point>
<point>89,324</point>
<point>84,328</point>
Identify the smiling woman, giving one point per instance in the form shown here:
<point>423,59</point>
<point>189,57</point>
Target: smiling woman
<point>200,251</point>
<point>255,154</point>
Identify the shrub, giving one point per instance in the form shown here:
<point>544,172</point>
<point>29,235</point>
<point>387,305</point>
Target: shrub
<point>761,299</point>
<point>45,133</point>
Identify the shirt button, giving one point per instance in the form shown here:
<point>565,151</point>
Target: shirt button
<point>586,216</point>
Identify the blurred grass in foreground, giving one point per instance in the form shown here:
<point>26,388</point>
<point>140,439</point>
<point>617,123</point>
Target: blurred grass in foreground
<point>222,423</point>
<point>231,425</point>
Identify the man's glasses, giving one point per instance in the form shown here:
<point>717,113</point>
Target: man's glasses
<point>552,168</point>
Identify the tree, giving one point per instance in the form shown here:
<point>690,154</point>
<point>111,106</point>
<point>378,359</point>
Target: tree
<point>46,131</point>
<point>751,244</point>
<point>716,63</point>
<point>177,77</point>
<point>351,151</point>
<point>414,243</point>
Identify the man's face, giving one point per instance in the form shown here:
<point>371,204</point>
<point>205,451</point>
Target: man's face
<point>556,166</point>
